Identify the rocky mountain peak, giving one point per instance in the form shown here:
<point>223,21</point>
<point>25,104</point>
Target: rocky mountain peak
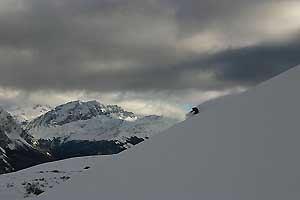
<point>10,131</point>
<point>79,110</point>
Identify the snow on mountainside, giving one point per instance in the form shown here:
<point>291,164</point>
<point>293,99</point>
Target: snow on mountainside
<point>24,114</point>
<point>245,148</point>
<point>11,132</point>
<point>78,110</point>
<point>10,138</point>
<point>89,128</point>
<point>15,152</point>
<point>94,121</point>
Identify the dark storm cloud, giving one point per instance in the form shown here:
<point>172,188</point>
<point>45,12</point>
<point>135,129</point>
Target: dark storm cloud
<point>113,45</point>
<point>254,64</point>
<point>249,65</point>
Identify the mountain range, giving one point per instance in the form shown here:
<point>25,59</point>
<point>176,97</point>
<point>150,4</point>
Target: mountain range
<point>70,130</point>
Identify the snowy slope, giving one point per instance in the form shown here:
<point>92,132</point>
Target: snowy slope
<point>210,104</point>
<point>246,148</point>
<point>42,178</point>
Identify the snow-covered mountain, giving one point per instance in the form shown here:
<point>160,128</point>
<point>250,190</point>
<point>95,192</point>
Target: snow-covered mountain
<point>78,110</point>
<point>70,130</point>
<point>94,121</point>
<point>15,152</point>
<point>10,131</point>
<point>89,128</point>
<point>24,114</point>
<point>245,147</point>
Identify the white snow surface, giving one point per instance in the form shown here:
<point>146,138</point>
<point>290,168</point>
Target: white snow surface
<point>45,177</point>
<point>210,104</point>
<point>245,148</point>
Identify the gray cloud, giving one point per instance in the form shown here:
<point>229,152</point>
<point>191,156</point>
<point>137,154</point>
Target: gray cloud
<point>134,45</point>
<point>254,64</point>
<point>250,65</point>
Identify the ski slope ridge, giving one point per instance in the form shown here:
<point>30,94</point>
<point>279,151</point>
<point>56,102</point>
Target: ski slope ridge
<point>245,148</point>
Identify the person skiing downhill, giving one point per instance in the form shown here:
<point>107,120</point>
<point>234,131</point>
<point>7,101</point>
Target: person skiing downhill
<point>195,110</point>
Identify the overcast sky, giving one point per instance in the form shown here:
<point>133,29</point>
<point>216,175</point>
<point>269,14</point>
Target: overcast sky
<point>150,56</point>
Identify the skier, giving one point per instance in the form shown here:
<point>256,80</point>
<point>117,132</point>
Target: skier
<point>195,110</point>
